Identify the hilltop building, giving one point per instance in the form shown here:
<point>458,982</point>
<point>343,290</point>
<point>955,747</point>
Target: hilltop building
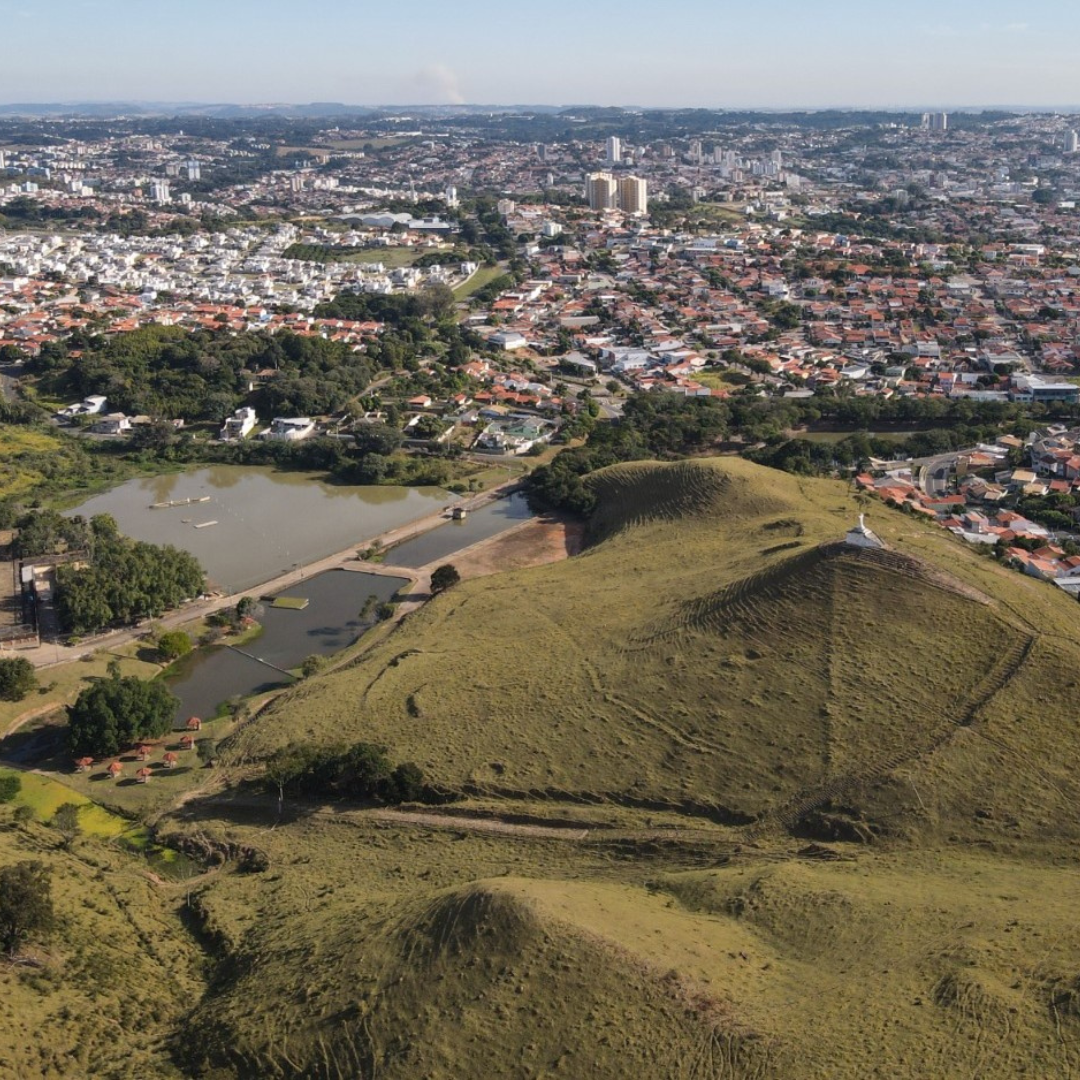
<point>861,536</point>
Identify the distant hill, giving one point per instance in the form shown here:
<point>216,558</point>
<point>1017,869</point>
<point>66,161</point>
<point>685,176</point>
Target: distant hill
<point>226,111</point>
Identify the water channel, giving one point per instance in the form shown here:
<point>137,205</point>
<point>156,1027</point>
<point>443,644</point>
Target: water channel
<point>329,623</point>
<point>264,522</point>
<point>444,540</point>
<point>259,523</point>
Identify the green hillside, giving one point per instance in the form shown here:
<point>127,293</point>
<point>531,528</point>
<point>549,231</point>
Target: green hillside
<point>103,995</point>
<point>724,799</point>
<point>717,651</point>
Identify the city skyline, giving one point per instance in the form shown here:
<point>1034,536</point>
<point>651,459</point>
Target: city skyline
<point>952,54</point>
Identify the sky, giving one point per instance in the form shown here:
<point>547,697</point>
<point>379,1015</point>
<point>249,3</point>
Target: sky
<point>705,53</point>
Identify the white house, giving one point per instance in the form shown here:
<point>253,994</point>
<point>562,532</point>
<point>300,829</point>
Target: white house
<point>90,406</point>
<point>291,429</point>
<point>114,424</point>
<point>239,425</point>
<point>509,340</point>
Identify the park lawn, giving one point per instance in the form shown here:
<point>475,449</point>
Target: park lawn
<point>60,685</point>
<point>393,258</point>
<point>482,277</point>
<point>45,796</point>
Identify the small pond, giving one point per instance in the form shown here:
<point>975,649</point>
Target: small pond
<point>330,622</point>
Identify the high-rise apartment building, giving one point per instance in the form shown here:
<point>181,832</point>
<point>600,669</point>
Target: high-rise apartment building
<point>936,121</point>
<point>633,195</point>
<point>194,170</point>
<point>1071,142</point>
<point>601,191</point>
<point>614,150</point>
<point>159,192</point>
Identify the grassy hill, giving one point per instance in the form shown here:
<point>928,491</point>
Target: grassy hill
<point>103,996</point>
<point>717,651</point>
<point>732,801</point>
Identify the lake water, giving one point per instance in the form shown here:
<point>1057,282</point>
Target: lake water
<point>329,623</point>
<point>267,522</point>
<point>444,540</point>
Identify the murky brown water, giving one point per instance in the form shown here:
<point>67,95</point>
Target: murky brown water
<point>267,522</point>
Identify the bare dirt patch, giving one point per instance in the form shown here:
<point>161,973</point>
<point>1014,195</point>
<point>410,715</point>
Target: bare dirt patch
<point>545,540</point>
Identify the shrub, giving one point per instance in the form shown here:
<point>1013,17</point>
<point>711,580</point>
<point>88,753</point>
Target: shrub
<point>312,665</point>
<point>10,786</point>
<point>173,644</point>
<point>443,578</point>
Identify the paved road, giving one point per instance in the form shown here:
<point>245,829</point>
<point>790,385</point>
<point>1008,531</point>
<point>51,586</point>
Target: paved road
<point>936,472</point>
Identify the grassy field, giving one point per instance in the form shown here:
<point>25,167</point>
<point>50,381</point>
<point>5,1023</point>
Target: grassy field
<point>832,437</point>
<point>731,801</point>
<point>391,257</point>
<point>16,443</point>
<point>484,276</point>
<point>717,380</point>
<point>104,993</point>
<point>728,692</point>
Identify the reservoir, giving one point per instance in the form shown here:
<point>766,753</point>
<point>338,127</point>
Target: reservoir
<point>444,540</point>
<point>247,524</point>
<point>331,621</point>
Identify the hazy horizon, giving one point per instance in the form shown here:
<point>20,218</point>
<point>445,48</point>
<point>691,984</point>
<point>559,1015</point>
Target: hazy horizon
<point>949,54</point>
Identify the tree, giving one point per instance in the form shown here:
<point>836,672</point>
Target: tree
<point>26,907</point>
<point>113,714</point>
<point>173,644</point>
<point>312,665</point>
<point>443,578</point>
<point>17,678</point>
<point>207,751</point>
<point>66,822</point>
<point>10,786</point>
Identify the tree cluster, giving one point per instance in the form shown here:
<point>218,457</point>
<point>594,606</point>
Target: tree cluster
<point>164,371</point>
<point>124,581</point>
<point>361,771</point>
<point>652,426</point>
<point>116,713</point>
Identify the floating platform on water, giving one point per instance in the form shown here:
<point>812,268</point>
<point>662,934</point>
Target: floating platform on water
<point>291,603</point>
<point>205,524</point>
<point>179,502</point>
